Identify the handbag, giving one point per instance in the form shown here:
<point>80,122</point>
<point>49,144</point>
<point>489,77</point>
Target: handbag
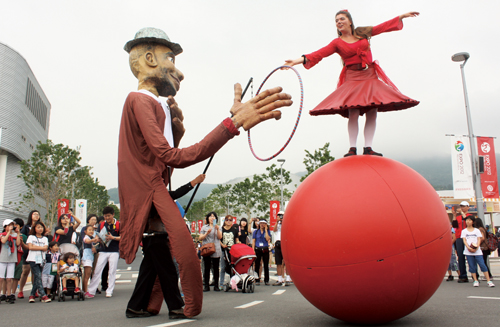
<point>207,249</point>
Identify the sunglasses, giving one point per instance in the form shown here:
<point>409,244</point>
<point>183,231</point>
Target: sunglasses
<point>229,219</point>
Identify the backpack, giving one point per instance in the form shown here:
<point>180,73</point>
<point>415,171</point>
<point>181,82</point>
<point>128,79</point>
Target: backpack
<point>117,226</point>
<point>492,241</point>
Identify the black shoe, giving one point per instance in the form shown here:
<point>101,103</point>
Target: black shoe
<point>177,314</point>
<point>3,298</point>
<point>137,314</point>
<point>267,283</point>
<point>450,278</point>
<point>352,152</point>
<point>206,289</point>
<point>11,299</point>
<point>463,280</point>
<point>98,292</point>
<point>216,289</point>
<point>369,151</point>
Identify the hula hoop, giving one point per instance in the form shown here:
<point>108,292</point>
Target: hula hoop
<point>296,122</point>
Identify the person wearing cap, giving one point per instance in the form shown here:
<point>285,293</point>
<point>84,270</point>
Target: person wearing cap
<point>472,239</point>
<point>260,244</point>
<point>150,133</point>
<point>277,253</point>
<point>9,242</point>
<point>460,216</point>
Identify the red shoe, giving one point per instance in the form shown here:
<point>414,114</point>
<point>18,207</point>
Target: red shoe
<point>45,299</point>
<point>65,290</point>
<point>20,295</point>
<point>77,290</point>
<point>36,294</point>
<point>32,299</point>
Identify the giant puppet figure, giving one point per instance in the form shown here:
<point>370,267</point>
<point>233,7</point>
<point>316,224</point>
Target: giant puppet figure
<point>150,133</point>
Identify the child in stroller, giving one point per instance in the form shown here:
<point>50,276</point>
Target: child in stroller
<point>242,258</point>
<point>69,273</point>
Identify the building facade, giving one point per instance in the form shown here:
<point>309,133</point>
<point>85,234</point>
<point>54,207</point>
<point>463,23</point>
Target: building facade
<point>24,120</point>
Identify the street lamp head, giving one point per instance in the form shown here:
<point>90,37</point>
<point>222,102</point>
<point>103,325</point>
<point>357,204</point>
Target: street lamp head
<point>281,160</point>
<point>461,56</point>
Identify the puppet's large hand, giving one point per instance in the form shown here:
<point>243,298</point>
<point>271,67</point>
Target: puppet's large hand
<point>260,108</point>
<point>177,118</point>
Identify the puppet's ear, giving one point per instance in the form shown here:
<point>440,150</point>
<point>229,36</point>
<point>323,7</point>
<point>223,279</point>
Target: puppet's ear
<point>150,59</point>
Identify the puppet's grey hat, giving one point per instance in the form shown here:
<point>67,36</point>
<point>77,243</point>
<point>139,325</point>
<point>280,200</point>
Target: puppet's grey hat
<point>152,35</point>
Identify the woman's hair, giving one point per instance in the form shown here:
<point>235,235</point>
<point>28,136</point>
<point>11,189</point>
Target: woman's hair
<point>478,223</point>
<point>228,216</point>
<point>208,215</point>
<point>254,224</point>
<point>454,224</point>
<point>90,216</point>
<point>30,217</point>
<point>364,32</point>
<point>246,226</point>
<point>20,222</point>
<point>59,224</point>
<point>33,228</point>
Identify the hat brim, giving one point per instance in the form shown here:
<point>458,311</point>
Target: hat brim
<point>176,48</point>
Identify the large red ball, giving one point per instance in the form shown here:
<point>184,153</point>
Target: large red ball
<point>366,239</point>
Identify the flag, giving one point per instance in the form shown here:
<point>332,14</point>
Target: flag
<point>463,186</point>
<point>489,180</point>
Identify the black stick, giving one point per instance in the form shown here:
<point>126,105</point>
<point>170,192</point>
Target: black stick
<point>210,160</point>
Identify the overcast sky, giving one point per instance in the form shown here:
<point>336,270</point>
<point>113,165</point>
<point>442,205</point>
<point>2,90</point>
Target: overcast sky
<point>75,49</point>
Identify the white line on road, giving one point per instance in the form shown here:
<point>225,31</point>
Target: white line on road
<point>123,281</point>
<point>183,321</point>
<point>483,297</point>
<point>135,275</point>
<point>244,306</point>
<point>279,292</point>
<point>129,268</point>
<point>118,276</point>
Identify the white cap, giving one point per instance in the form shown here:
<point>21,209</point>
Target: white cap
<point>464,203</point>
<point>281,213</point>
<point>7,222</point>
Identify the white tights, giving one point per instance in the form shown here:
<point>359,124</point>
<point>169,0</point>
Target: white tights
<point>370,126</point>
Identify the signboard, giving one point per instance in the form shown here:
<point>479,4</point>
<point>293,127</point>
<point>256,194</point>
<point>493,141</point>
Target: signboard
<point>274,209</point>
<point>63,207</point>
<point>461,168</point>
<point>81,211</point>
<point>235,220</point>
<point>193,227</point>
<point>200,225</point>
<point>489,180</point>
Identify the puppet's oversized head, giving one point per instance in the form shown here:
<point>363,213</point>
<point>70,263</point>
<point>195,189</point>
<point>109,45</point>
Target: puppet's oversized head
<point>152,61</point>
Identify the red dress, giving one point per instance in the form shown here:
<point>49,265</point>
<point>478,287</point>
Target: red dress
<point>360,89</point>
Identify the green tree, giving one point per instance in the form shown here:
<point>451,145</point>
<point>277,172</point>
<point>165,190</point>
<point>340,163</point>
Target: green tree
<point>117,210</point>
<point>87,187</point>
<point>48,175</point>
<point>220,199</point>
<point>245,195</point>
<point>319,158</point>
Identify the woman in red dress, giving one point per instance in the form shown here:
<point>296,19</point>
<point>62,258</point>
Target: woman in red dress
<point>363,88</point>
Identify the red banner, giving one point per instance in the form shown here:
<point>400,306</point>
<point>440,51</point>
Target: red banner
<point>275,208</point>
<point>62,207</point>
<point>235,220</point>
<point>489,180</point>
<point>200,225</point>
<point>193,227</point>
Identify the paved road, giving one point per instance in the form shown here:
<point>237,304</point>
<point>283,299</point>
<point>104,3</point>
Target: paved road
<point>452,306</point>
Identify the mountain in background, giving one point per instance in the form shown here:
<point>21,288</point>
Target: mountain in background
<point>437,171</point>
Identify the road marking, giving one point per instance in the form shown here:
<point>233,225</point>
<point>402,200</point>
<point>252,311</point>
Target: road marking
<point>123,281</point>
<point>118,276</point>
<point>483,297</point>
<point>244,306</point>
<point>279,292</point>
<point>135,275</point>
<point>183,321</point>
<point>129,268</point>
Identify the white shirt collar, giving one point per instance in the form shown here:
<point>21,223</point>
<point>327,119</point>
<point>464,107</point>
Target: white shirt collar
<point>167,132</point>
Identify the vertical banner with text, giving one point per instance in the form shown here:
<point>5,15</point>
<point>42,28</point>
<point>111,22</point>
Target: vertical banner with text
<point>63,207</point>
<point>81,211</point>
<point>193,227</point>
<point>461,168</point>
<point>200,225</point>
<point>275,208</point>
<point>489,180</point>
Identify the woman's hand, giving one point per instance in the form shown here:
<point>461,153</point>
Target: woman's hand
<point>409,14</point>
<point>293,62</point>
<point>208,231</point>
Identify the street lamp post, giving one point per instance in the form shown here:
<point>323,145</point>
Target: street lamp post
<point>463,57</point>
<point>282,161</point>
<point>73,186</point>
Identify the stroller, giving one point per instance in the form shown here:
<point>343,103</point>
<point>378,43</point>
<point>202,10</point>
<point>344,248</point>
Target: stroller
<point>242,258</point>
<point>70,284</point>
